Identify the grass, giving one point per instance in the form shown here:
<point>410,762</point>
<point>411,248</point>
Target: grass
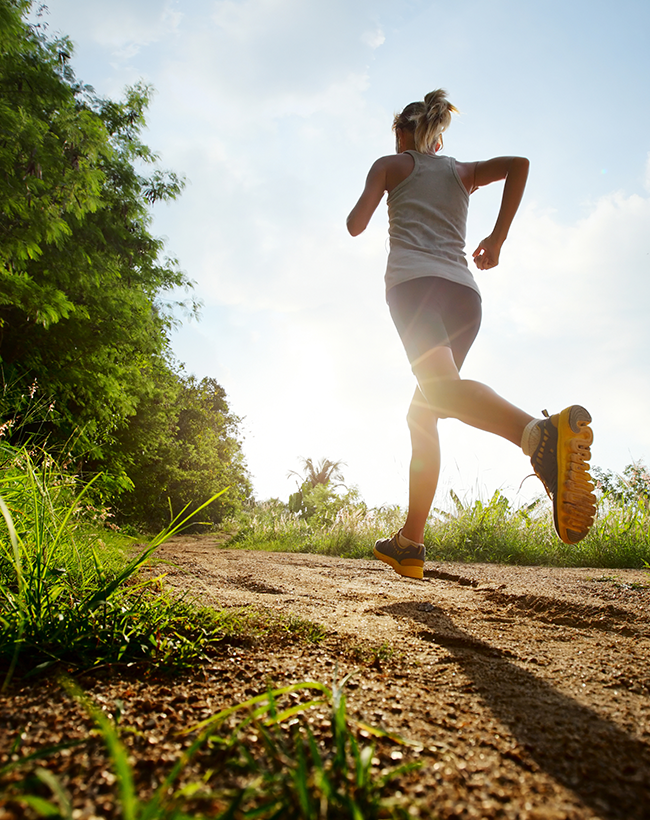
<point>265,762</point>
<point>70,595</point>
<point>492,531</point>
<point>498,532</point>
<point>71,598</point>
<point>271,527</point>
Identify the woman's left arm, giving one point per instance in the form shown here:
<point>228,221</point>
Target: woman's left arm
<point>372,195</point>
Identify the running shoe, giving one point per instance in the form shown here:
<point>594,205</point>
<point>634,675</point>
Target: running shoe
<point>560,460</point>
<point>408,561</point>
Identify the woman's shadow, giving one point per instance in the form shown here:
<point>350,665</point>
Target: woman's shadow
<point>608,769</point>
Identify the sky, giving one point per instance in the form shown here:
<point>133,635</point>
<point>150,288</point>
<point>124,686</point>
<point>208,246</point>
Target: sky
<point>274,110</point>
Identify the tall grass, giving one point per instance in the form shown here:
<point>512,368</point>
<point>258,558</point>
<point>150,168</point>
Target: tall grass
<point>493,530</point>
<point>498,531</point>
<point>68,590</point>
<point>271,526</point>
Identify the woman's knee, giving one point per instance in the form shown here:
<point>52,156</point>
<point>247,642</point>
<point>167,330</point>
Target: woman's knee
<point>440,393</point>
<point>423,425</point>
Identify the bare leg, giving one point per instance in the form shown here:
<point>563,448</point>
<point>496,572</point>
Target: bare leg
<point>425,466</point>
<point>441,394</point>
<point>471,402</point>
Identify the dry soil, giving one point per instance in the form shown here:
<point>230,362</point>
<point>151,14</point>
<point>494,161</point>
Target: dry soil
<point>528,688</point>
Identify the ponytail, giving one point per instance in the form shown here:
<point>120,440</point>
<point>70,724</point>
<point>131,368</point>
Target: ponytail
<point>427,120</point>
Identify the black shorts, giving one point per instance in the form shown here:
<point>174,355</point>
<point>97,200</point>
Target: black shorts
<point>432,312</point>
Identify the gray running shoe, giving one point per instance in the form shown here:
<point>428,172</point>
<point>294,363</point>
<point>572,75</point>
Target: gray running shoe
<point>408,561</point>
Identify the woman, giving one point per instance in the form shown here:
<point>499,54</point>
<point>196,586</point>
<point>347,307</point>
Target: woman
<point>436,306</point>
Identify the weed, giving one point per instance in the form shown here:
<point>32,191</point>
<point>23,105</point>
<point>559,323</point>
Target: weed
<point>372,655</point>
<point>494,531</point>
<point>69,596</point>
<point>267,761</point>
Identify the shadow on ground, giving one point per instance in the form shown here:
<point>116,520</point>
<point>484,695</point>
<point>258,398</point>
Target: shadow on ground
<point>606,768</point>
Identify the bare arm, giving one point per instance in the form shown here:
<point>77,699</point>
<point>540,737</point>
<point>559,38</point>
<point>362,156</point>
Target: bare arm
<point>372,195</point>
<point>515,172</point>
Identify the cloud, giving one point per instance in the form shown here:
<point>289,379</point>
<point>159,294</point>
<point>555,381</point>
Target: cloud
<point>263,48</point>
<point>580,278</point>
<point>373,38</point>
<point>119,25</point>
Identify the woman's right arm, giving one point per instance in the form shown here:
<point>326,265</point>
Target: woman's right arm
<point>515,172</point>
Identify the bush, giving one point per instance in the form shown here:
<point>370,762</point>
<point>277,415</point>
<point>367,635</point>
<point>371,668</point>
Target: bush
<point>181,447</point>
<point>495,530</point>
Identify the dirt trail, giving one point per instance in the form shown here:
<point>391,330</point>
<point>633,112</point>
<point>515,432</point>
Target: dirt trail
<point>536,681</point>
<point>528,688</point>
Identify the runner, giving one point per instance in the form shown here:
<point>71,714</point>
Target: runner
<point>436,307</point>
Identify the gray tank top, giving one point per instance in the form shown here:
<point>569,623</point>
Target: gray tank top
<point>427,219</point>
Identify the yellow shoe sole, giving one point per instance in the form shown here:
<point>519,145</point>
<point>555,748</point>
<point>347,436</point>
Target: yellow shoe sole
<point>409,568</point>
<point>575,505</point>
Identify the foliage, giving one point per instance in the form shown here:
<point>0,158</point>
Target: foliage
<point>83,323</point>
<point>493,530</point>
<point>81,277</point>
<point>294,774</point>
<point>67,589</point>
<point>26,416</point>
<point>317,499</point>
<point>180,448</point>
<point>321,504</point>
<point>325,472</point>
<point>630,487</point>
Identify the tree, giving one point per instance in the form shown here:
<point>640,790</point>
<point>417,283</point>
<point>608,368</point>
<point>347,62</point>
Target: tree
<point>83,321</point>
<point>323,473</point>
<point>81,277</point>
<point>182,447</point>
<point>632,486</point>
<point>316,496</point>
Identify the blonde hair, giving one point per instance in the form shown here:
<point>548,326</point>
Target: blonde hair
<point>427,120</point>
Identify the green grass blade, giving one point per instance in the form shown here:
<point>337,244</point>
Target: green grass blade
<point>41,805</point>
<point>15,546</point>
<point>363,764</point>
<point>178,522</point>
<point>128,797</point>
<point>13,536</point>
<point>258,706</point>
<point>247,705</point>
<point>106,591</point>
<point>280,717</point>
<point>71,508</point>
<point>47,751</point>
<point>62,797</point>
<point>300,779</point>
<point>381,733</point>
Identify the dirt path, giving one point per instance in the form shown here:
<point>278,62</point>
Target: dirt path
<point>528,688</point>
<point>536,681</point>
